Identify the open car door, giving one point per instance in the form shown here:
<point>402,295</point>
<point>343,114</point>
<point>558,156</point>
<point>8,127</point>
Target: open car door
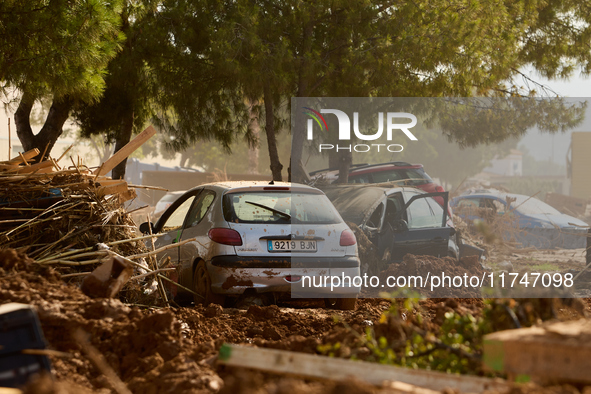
<point>419,227</point>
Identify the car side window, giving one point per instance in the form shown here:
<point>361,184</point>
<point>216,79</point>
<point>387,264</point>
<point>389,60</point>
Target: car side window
<point>376,217</point>
<point>387,176</point>
<point>394,210</point>
<point>200,208</point>
<point>424,215</point>
<point>177,218</point>
<point>469,203</point>
<point>363,178</point>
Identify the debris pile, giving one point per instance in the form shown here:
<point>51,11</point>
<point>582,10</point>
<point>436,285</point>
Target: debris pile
<point>73,218</point>
<point>49,209</point>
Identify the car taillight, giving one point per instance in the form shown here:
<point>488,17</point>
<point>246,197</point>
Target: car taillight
<point>348,238</point>
<point>225,236</point>
<point>439,188</point>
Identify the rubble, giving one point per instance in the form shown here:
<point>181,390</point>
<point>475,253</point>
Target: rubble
<point>50,211</point>
<point>108,279</point>
<point>73,218</point>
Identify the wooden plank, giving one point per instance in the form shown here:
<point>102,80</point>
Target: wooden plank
<point>127,195</point>
<point>313,366</point>
<point>107,182</point>
<point>28,155</point>
<point>35,167</point>
<point>4,167</point>
<point>9,390</point>
<point>117,188</point>
<point>557,352</point>
<point>127,150</point>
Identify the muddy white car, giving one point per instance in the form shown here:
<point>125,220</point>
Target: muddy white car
<point>256,238</point>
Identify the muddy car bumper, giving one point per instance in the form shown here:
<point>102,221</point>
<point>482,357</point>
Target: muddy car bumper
<point>301,276</point>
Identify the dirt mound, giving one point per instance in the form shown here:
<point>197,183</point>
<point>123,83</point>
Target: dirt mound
<point>158,350</point>
<point>147,349</point>
<point>174,350</point>
<point>443,273</point>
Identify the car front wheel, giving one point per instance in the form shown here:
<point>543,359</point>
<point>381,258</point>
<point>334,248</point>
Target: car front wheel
<point>202,286</point>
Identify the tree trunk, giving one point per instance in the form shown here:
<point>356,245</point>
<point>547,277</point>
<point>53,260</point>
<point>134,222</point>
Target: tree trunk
<point>184,159</point>
<point>103,152</point>
<point>341,161</point>
<point>253,151</point>
<point>51,130</point>
<point>123,137</point>
<point>297,172</point>
<point>22,121</point>
<point>345,159</point>
<point>276,165</point>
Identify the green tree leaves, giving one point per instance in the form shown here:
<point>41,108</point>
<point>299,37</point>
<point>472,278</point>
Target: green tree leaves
<point>58,47</point>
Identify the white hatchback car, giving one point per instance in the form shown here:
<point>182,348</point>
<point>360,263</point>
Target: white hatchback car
<point>258,237</point>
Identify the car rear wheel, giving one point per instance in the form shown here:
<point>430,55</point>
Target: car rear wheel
<point>343,304</point>
<point>202,286</point>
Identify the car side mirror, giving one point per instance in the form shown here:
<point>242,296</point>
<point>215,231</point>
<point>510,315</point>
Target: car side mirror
<point>452,231</point>
<point>145,228</point>
<point>401,226</point>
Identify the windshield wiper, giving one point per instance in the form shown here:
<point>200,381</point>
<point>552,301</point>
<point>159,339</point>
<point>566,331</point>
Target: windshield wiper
<point>275,211</point>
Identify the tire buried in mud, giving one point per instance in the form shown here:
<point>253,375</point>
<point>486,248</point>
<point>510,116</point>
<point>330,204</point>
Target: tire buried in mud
<point>202,286</point>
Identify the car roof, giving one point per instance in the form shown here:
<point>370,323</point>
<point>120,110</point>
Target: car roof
<point>355,201</point>
<point>235,186</point>
<point>382,166</point>
<point>492,193</point>
<point>365,166</point>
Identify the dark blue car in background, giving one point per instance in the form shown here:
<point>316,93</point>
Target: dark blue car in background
<point>536,224</point>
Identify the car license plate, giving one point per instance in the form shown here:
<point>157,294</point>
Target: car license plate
<point>291,246</point>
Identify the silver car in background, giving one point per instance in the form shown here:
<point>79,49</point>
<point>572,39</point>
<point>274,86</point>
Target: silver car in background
<point>257,238</point>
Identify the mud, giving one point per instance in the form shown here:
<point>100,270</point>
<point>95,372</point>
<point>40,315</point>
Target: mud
<point>234,281</point>
<point>165,350</point>
<point>429,266</point>
<point>160,350</point>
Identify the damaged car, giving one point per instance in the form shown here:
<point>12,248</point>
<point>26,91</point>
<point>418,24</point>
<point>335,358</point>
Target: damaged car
<point>238,239</point>
<point>522,219</point>
<point>403,173</point>
<point>397,221</point>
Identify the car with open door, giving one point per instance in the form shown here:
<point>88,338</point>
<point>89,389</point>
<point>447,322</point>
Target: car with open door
<point>256,238</point>
<point>397,220</point>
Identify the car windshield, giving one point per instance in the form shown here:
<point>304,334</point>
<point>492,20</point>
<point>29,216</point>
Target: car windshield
<point>532,206</point>
<point>278,207</point>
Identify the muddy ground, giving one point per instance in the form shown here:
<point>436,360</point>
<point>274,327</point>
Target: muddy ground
<point>165,350</point>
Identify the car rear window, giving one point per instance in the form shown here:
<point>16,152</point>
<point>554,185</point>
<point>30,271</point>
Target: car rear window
<point>279,207</point>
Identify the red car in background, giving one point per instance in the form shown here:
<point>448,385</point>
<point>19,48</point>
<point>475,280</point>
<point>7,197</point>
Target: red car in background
<point>405,174</point>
